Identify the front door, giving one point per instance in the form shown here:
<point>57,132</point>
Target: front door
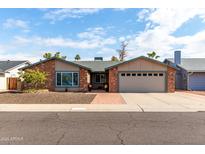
<point>98,80</point>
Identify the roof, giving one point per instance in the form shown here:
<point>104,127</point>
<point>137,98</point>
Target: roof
<point>97,66</point>
<point>141,57</point>
<point>54,58</point>
<point>6,65</point>
<point>191,64</point>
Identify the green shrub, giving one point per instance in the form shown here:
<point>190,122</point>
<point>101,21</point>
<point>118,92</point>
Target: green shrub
<point>35,78</point>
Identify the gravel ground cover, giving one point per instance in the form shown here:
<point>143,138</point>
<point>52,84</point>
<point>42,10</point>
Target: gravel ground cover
<point>46,98</point>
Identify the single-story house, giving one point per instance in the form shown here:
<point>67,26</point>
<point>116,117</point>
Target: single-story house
<point>140,74</point>
<point>9,72</point>
<point>190,74</point>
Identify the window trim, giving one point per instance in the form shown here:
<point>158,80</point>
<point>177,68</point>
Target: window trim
<point>67,86</point>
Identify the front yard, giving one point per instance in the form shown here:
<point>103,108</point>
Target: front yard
<point>46,98</point>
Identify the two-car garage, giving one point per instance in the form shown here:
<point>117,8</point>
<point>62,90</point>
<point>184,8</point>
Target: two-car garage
<point>143,74</point>
<point>142,82</point>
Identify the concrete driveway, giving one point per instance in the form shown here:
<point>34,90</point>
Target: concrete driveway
<point>178,101</point>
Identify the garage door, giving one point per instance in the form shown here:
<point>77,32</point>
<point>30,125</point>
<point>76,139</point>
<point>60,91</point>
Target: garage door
<point>142,82</point>
<point>197,81</point>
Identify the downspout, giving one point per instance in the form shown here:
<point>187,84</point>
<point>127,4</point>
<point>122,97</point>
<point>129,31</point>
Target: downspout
<point>189,74</point>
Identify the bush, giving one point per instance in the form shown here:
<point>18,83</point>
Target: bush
<point>35,78</point>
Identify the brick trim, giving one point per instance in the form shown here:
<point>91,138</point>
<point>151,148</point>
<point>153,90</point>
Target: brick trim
<point>171,79</point>
<point>113,79</point>
<point>83,79</point>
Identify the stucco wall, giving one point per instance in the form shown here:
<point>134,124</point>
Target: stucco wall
<point>62,66</point>
<point>2,82</point>
<point>141,65</point>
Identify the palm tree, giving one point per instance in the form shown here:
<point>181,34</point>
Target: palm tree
<point>47,55</point>
<point>77,57</point>
<point>58,55</point>
<point>153,55</point>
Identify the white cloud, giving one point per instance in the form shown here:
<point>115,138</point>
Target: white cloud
<point>21,40</point>
<point>143,14</point>
<point>122,38</point>
<point>158,33</point>
<point>16,23</point>
<point>92,33</point>
<point>91,39</point>
<point>19,56</point>
<point>61,14</point>
<point>172,19</point>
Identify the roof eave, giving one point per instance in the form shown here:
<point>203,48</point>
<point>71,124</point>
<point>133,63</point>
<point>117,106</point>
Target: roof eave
<point>54,58</point>
<point>161,63</point>
<point>17,66</point>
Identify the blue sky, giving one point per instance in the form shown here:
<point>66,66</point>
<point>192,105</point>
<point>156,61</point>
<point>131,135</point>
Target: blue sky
<point>28,33</point>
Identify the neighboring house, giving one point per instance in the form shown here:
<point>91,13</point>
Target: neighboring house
<point>190,73</point>
<point>140,74</point>
<point>9,70</point>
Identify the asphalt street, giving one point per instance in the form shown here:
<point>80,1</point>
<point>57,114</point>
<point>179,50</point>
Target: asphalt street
<point>102,128</point>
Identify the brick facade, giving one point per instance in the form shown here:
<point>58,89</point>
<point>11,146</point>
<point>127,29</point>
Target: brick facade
<point>113,79</point>
<point>49,68</point>
<point>171,79</point>
<point>83,79</point>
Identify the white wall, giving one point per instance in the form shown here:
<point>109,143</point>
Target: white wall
<point>2,82</point>
<point>10,73</point>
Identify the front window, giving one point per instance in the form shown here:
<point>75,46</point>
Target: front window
<point>75,79</point>
<point>58,79</point>
<point>67,79</point>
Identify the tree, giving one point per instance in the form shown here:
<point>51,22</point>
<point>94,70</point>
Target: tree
<point>47,55</point>
<point>114,58</point>
<point>153,55</point>
<point>122,52</point>
<point>77,57</point>
<point>34,77</point>
<point>58,55</point>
